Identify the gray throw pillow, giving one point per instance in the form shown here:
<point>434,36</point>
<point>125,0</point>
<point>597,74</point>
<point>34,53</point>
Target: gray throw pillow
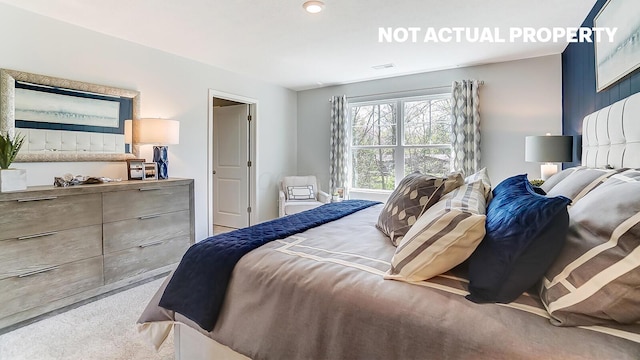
<point>596,278</point>
<point>557,177</point>
<point>580,182</point>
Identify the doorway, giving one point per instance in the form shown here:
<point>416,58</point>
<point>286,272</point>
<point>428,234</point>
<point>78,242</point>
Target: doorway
<point>232,165</point>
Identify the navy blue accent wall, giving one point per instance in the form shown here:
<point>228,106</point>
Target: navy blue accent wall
<point>579,95</point>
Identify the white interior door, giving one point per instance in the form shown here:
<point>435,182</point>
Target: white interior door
<point>230,166</point>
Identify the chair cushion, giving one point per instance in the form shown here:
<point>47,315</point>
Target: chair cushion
<point>294,207</point>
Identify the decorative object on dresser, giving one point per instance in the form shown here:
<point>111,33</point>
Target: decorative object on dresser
<point>158,132</point>
<point>59,246</point>
<point>135,169</point>
<point>548,149</point>
<point>150,171</point>
<point>70,180</point>
<point>11,179</point>
<point>65,120</point>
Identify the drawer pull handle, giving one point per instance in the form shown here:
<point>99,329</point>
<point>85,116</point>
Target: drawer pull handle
<point>150,188</point>
<point>149,217</point>
<point>40,271</point>
<point>150,244</point>
<point>37,235</point>
<point>38,199</point>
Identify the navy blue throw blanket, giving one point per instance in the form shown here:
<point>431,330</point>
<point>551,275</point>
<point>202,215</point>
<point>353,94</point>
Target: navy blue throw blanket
<point>199,284</point>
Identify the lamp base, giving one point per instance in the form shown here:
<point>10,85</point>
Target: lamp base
<point>547,170</point>
<point>161,157</point>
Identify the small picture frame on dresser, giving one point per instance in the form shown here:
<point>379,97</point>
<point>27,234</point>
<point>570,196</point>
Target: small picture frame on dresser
<point>135,169</point>
<point>150,171</point>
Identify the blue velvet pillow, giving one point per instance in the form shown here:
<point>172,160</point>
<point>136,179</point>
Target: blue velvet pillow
<point>525,233</point>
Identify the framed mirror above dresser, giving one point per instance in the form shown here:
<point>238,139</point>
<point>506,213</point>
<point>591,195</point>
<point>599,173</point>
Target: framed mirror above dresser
<point>66,120</point>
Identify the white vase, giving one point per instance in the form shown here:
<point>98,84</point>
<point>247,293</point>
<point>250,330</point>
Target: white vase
<point>13,179</point>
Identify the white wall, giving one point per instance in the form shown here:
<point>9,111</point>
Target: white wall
<point>519,98</point>
<point>170,86</point>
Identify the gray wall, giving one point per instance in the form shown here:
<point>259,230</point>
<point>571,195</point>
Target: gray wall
<point>519,98</point>
<point>170,86</point>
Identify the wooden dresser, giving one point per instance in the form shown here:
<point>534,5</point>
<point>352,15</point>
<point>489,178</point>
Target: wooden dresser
<point>59,246</point>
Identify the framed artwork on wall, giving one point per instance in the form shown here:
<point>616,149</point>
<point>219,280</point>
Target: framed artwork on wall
<point>616,59</point>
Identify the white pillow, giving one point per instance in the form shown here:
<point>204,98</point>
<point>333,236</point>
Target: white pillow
<point>304,192</point>
<point>483,176</point>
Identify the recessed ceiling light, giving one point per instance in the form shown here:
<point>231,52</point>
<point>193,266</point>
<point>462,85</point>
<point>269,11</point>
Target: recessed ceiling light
<point>313,6</point>
<point>383,66</point>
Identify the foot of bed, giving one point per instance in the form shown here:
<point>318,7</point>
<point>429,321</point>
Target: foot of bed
<point>192,345</point>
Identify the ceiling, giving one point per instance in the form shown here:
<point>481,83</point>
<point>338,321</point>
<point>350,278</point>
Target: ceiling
<point>278,42</point>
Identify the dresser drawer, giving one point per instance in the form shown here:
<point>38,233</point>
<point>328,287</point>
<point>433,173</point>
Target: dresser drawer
<point>148,200</point>
<point>28,216</point>
<point>37,251</point>
<point>137,260</point>
<point>142,230</point>
<point>20,293</point>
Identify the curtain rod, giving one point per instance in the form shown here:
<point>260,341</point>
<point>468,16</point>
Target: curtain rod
<point>481,82</point>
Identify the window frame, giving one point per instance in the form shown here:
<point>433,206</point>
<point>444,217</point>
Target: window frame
<point>399,146</point>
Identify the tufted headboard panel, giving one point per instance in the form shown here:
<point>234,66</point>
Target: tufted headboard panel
<point>611,135</point>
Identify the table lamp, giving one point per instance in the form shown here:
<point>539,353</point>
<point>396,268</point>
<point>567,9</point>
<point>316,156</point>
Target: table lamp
<point>548,149</point>
<point>160,133</point>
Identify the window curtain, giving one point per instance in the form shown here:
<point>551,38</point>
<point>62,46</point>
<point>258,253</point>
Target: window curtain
<point>465,126</point>
<point>339,155</point>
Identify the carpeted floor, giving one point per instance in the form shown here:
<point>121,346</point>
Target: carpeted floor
<point>101,330</point>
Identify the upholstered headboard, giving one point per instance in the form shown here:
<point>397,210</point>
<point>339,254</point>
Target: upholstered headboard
<point>611,135</point>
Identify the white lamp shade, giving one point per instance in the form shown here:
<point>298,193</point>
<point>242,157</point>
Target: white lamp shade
<point>549,148</point>
<point>128,133</point>
<point>156,131</point>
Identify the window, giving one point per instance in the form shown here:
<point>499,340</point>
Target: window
<point>391,138</point>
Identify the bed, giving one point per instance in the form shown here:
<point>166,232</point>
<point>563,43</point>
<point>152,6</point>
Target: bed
<point>322,293</point>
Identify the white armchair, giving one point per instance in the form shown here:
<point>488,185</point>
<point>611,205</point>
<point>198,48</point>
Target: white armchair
<point>300,193</point>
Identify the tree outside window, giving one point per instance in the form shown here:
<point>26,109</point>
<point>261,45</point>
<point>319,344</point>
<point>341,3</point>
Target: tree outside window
<point>393,138</point>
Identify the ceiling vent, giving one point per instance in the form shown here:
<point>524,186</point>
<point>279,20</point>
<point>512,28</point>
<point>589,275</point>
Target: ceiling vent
<point>383,66</point>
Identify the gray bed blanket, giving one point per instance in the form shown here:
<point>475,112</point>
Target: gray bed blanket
<point>320,295</point>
